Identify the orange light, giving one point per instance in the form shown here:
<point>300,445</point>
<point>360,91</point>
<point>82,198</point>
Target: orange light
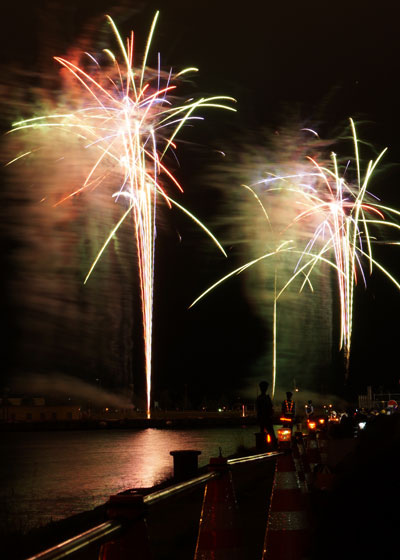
<point>284,434</point>
<point>312,425</point>
<point>269,439</point>
<point>322,420</point>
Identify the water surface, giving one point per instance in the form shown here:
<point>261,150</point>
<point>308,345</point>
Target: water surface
<point>52,475</point>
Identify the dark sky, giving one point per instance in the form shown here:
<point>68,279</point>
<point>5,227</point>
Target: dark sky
<point>322,63</point>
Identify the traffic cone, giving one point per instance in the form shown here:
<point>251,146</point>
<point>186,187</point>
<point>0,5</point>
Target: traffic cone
<point>134,540</point>
<point>219,536</point>
<point>287,536</point>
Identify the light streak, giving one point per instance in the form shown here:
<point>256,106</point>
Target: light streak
<point>334,216</point>
<point>127,121</point>
<point>341,211</point>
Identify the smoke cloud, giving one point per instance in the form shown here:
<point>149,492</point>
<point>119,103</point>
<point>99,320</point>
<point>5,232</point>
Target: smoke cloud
<point>58,385</point>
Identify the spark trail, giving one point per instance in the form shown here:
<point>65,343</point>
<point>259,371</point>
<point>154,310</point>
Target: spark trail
<point>343,211</point>
<point>318,214</point>
<point>126,119</point>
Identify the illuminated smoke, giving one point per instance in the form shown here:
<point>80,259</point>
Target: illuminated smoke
<point>60,323</point>
<point>305,217</point>
<point>59,385</point>
<point>110,142</point>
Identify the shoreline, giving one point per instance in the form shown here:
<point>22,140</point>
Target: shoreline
<point>166,422</point>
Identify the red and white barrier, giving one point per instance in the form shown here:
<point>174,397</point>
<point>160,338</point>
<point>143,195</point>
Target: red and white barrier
<point>288,527</point>
<point>219,536</point>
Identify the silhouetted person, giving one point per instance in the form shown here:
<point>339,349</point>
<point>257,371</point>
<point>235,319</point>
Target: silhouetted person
<point>347,424</point>
<point>309,408</point>
<point>288,410</point>
<point>265,412</point>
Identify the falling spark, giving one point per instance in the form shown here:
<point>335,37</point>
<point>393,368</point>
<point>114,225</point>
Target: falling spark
<point>343,212</point>
<point>334,216</point>
<point>127,121</point>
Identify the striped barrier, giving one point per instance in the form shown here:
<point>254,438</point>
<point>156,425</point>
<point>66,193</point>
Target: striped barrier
<point>219,536</point>
<point>287,535</point>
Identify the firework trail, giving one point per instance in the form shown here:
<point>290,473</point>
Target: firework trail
<point>126,120</point>
<point>256,223</point>
<point>314,219</point>
<point>344,212</point>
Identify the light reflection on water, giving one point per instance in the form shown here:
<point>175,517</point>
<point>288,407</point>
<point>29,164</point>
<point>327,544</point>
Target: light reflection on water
<point>52,475</point>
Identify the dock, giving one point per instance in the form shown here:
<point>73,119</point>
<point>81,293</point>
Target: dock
<point>343,482</point>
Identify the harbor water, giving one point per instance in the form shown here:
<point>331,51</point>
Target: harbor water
<point>48,476</point>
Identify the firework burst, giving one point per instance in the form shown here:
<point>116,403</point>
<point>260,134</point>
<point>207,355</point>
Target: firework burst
<point>343,212</point>
<point>126,119</point>
<point>315,215</point>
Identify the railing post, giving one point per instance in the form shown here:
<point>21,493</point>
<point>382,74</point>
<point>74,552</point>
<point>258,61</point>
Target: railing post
<point>131,511</point>
<point>288,528</point>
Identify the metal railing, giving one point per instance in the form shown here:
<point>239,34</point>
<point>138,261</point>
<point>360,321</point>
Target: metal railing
<point>258,457</point>
<point>113,527</point>
<point>70,546</point>
<point>377,400</point>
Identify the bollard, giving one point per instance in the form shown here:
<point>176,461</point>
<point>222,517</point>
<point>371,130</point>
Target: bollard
<point>130,510</point>
<point>185,463</point>
<point>219,536</point>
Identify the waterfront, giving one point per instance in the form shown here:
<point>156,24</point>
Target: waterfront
<point>51,475</point>
<point>365,471</point>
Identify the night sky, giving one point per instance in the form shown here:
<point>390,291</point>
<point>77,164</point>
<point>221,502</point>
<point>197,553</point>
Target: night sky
<point>312,64</point>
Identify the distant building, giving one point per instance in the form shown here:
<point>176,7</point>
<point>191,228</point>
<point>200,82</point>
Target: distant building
<point>377,401</point>
<point>19,409</point>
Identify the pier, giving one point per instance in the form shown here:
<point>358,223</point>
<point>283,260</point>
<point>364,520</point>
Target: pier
<point>318,487</point>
